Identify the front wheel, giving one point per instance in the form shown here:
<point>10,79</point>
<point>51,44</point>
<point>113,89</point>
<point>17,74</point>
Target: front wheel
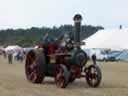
<point>93,76</point>
<point>62,76</point>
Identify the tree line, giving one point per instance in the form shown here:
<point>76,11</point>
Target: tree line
<point>31,36</point>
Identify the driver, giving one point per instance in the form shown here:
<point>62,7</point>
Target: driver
<point>46,39</point>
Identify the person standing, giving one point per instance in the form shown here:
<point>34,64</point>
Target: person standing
<point>10,57</point>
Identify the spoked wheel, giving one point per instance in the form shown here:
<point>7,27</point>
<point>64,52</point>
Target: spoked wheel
<point>62,76</point>
<point>34,67</point>
<point>93,76</point>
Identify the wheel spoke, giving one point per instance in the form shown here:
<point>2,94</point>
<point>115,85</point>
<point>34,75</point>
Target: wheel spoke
<point>93,81</point>
<point>60,77</point>
<point>33,76</point>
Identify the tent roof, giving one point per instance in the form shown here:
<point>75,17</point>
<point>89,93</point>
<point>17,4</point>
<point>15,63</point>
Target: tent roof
<point>110,39</point>
<point>13,48</point>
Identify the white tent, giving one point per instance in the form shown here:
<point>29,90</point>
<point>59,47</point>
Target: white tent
<point>13,48</point>
<point>115,39</point>
<point>1,48</point>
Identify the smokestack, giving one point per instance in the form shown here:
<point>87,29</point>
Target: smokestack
<point>77,27</point>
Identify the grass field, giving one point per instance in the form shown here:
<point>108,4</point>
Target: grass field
<point>13,82</point>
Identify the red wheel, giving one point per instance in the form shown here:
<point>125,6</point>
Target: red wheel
<point>62,76</point>
<point>34,67</point>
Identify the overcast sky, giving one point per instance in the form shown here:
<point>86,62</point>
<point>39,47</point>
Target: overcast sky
<point>38,13</point>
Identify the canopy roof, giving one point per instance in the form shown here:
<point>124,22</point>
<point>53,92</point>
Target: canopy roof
<point>116,39</point>
<point>13,48</point>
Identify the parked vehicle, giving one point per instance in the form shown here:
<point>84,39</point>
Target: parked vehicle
<point>100,54</point>
<point>123,56</point>
<point>106,55</point>
<point>112,55</point>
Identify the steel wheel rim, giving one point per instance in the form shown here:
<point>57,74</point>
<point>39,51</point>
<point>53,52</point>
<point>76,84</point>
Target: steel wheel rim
<point>30,62</point>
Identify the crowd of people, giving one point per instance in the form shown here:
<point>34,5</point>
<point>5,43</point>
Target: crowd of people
<point>12,56</point>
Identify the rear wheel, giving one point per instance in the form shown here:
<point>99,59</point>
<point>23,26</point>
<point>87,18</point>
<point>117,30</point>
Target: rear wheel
<point>62,76</point>
<point>35,66</point>
<point>93,76</point>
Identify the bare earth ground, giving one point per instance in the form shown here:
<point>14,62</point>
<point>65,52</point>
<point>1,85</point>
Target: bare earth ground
<point>13,82</point>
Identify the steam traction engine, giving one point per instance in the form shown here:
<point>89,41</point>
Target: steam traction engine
<point>64,63</point>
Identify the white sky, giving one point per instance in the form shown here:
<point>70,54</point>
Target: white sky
<point>38,13</point>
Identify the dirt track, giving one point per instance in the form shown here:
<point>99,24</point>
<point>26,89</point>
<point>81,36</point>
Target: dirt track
<point>13,82</point>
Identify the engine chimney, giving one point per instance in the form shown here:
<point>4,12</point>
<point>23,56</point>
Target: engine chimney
<point>77,27</point>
